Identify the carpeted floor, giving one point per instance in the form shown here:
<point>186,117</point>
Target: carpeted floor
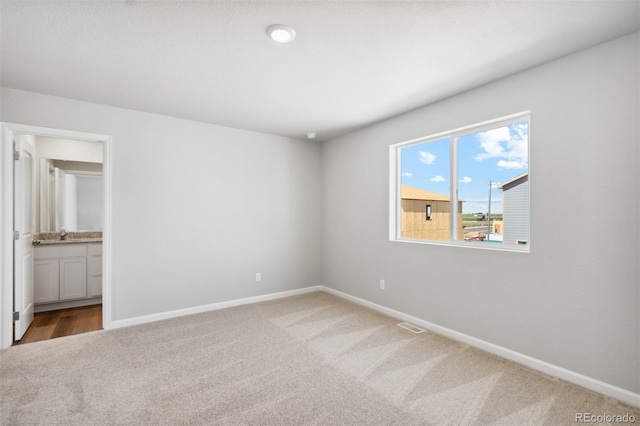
<point>312,359</point>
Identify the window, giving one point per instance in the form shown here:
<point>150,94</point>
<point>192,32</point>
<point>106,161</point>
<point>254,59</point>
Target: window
<point>473,183</point>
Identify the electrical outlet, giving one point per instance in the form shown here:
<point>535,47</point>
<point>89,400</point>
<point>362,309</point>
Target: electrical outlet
<point>381,284</point>
<point>258,277</point>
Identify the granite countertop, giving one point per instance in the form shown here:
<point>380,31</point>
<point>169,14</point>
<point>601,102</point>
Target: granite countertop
<point>51,238</point>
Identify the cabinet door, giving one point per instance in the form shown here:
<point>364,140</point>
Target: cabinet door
<point>94,270</point>
<point>95,286</point>
<point>46,278</point>
<point>73,278</point>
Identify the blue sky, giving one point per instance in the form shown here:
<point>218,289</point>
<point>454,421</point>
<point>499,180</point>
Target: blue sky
<point>496,155</point>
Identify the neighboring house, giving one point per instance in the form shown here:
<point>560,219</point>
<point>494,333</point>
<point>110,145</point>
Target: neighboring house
<point>425,215</point>
<point>515,209</point>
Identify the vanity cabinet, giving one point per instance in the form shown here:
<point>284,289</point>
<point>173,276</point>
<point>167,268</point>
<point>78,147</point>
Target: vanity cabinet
<point>67,272</point>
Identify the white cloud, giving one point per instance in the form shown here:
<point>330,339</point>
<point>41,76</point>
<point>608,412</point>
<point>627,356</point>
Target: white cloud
<point>407,174</point>
<point>466,179</point>
<point>491,141</point>
<point>427,157</point>
<point>512,164</point>
<point>437,179</point>
<point>511,147</point>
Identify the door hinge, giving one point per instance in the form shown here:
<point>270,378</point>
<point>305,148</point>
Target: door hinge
<point>16,235</point>
<point>16,316</point>
<point>16,155</point>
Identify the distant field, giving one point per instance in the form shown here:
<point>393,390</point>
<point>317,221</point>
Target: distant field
<point>473,220</point>
<point>472,217</point>
<point>467,223</point>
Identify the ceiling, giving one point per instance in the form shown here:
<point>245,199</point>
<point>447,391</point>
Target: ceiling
<point>351,64</point>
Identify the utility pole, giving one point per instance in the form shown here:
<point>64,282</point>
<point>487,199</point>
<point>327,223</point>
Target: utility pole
<point>489,219</point>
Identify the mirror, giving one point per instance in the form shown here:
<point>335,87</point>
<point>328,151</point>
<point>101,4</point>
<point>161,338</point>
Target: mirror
<point>71,196</point>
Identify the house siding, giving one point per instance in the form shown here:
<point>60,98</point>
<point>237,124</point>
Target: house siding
<point>516,211</point>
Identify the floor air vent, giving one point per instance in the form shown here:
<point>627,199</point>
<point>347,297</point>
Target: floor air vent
<point>412,328</point>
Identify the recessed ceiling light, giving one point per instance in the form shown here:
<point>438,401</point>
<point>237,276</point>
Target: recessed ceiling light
<point>311,135</point>
<point>281,33</point>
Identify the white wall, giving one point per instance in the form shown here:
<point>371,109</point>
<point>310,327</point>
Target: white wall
<point>198,209</point>
<point>574,300</point>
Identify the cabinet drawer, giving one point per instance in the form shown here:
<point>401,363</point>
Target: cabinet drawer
<point>94,249</point>
<point>52,252</point>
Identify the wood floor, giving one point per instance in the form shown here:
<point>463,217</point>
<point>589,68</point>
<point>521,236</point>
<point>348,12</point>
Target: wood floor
<point>49,325</point>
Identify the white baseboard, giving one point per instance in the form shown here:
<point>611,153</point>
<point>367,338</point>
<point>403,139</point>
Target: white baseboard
<point>536,364</point>
<point>212,307</point>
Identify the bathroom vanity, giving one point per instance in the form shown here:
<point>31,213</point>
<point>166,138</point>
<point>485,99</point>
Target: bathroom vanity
<point>67,272</point>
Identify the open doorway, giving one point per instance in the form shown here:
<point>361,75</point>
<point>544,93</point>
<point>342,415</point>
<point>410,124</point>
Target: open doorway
<point>67,216</point>
<point>56,203</point>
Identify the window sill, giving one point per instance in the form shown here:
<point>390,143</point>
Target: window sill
<point>469,244</point>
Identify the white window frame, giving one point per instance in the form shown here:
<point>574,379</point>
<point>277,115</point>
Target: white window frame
<point>395,169</point>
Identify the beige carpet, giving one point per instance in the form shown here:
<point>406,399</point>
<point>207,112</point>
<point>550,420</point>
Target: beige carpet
<point>313,359</point>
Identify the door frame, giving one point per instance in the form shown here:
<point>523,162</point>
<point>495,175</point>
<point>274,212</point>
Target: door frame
<point>7,213</point>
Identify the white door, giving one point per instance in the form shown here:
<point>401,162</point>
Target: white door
<point>24,225</point>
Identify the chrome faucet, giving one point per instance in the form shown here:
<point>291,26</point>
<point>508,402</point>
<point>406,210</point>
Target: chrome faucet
<point>63,233</point>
